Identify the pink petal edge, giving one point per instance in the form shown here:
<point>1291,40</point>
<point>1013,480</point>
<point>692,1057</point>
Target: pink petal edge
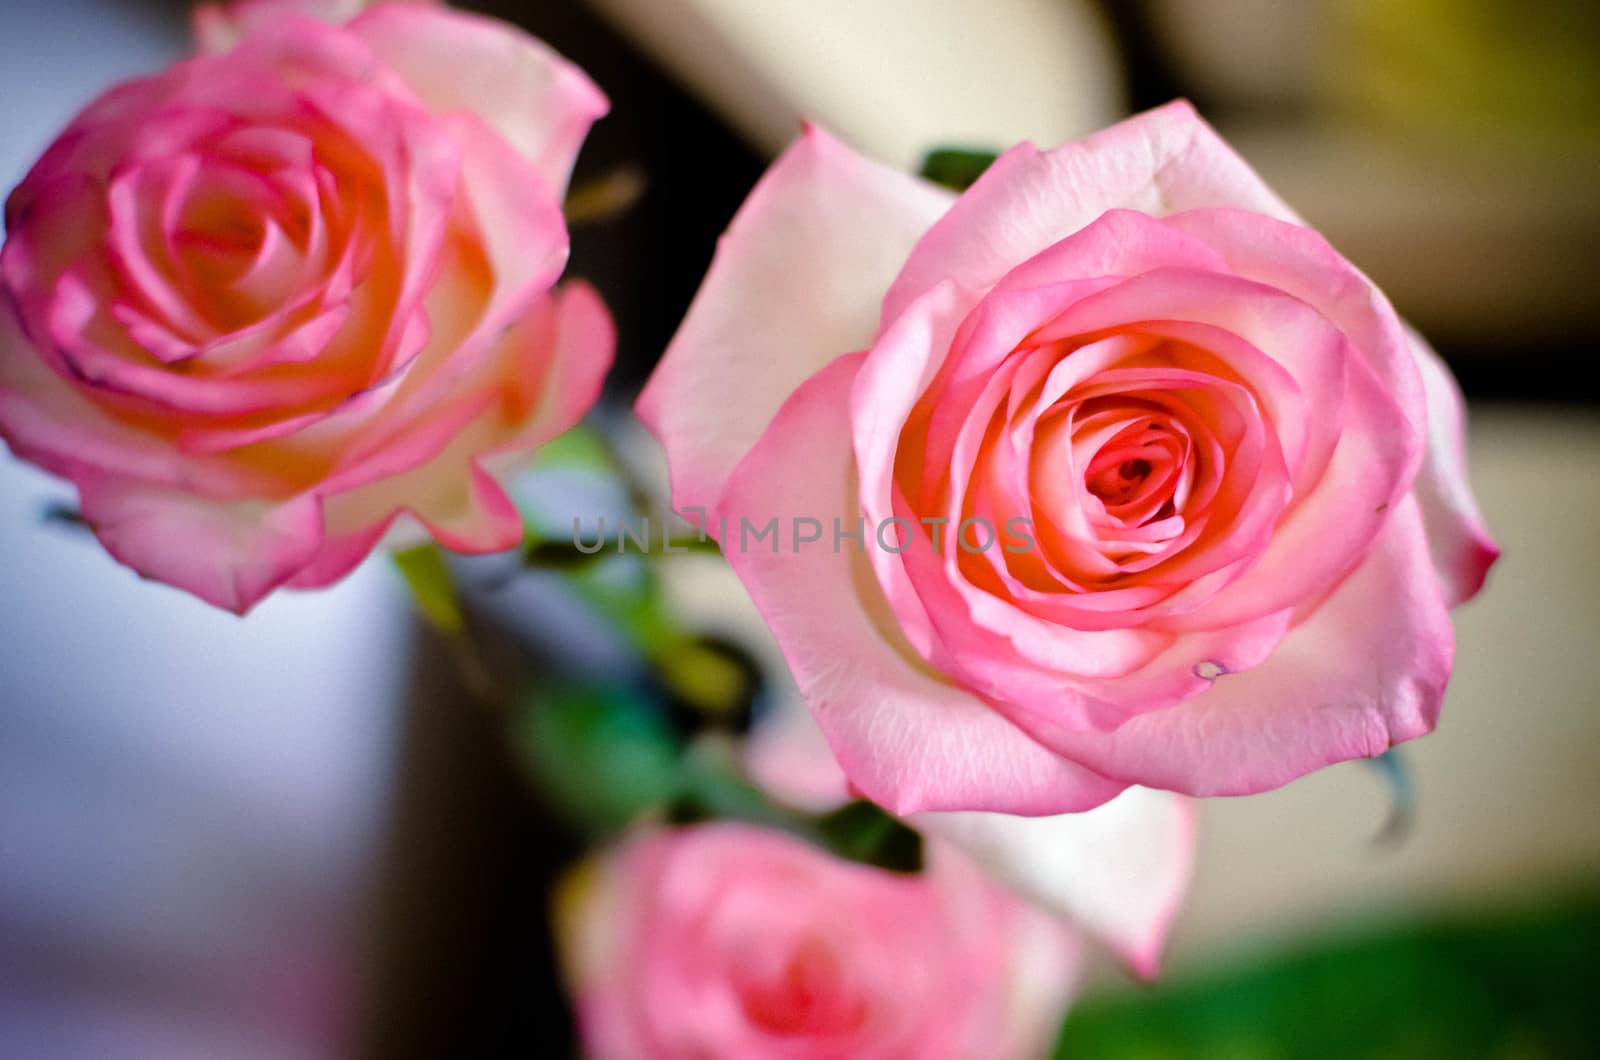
<point>797,280</point>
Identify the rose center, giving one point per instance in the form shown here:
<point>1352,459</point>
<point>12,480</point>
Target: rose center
<point>220,238</point>
<point>1117,482</point>
<point>803,995</point>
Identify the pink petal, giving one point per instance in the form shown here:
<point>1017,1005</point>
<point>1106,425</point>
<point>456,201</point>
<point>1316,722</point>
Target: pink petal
<point>789,757</point>
<point>904,359</point>
<point>228,554</point>
<point>906,739</point>
<point>1299,262</point>
<point>1325,533</point>
<point>219,26</point>
<point>524,241</point>
<point>104,358</point>
<point>1160,162</point>
<point>1365,671</point>
<point>547,373</point>
<point>47,421</point>
<point>797,281</point>
<point>474,516</point>
<point>542,104</point>
<point>1463,551</point>
<point>1119,870</point>
<point>573,364</point>
<point>213,29</point>
<point>339,555</point>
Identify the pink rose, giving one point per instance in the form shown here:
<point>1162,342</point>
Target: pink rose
<point>725,940</point>
<point>262,304</point>
<point>1155,488</point>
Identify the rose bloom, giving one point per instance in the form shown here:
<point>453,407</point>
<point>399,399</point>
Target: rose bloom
<point>727,940</point>
<point>1240,476</point>
<point>262,304</point>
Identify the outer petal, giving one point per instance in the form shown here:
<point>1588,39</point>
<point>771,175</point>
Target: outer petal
<point>1119,870</point>
<point>1160,162</point>
<point>905,738</point>
<point>797,280</point>
<point>551,369</point>
<point>542,104</point>
<point>228,554</point>
<point>1365,671</point>
<point>1462,549</point>
<point>220,26</point>
<point>579,356</point>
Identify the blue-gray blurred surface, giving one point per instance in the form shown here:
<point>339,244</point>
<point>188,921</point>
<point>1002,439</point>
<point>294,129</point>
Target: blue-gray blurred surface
<point>190,804</point>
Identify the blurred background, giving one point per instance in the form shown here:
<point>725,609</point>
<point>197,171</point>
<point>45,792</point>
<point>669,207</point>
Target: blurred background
<point>297,836</point>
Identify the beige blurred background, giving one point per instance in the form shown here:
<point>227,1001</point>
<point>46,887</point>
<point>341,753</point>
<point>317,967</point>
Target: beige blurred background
<point>1508,787</point>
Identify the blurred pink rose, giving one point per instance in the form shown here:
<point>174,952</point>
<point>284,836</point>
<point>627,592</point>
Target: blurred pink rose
<point>1213,491</point>
<point>726,940</point>
<point>263,303</point>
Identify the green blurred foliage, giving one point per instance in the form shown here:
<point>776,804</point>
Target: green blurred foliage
<point>582,448</point>
<point>432,590</point>
<point>606,757</point>
<point>601,755</point>
<point>1509,986</point>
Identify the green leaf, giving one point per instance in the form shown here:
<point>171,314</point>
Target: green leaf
<point>1501,984</point>
<point>706,678</point>
<point>625,592</point>
<point>580,448</point>
<point>862,831</point>
<point>956,168</point>
<point>556,554</point>
<point>713,791</point>
<point>62,514</point>
<point>432,590</point>
<point>606,756</point>
<point>603,755</point>
<point>859,831</point>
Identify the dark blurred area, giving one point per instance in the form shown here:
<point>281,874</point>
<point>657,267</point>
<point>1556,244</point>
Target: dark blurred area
<point>1448,148</point>
<point>648,260</point>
